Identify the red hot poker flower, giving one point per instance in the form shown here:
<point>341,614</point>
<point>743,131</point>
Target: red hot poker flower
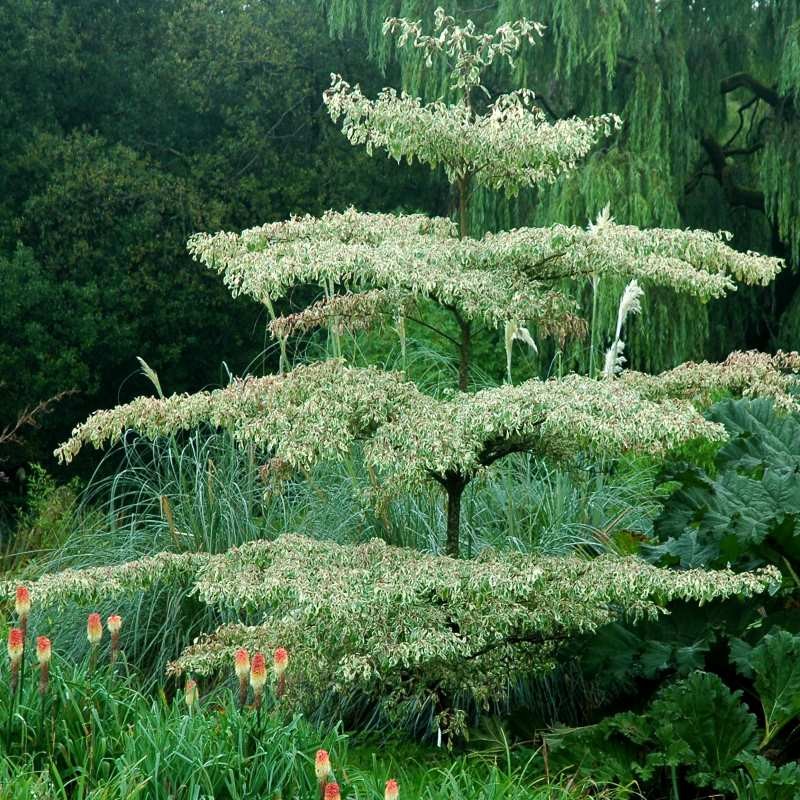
<point>258,677</point>
<point>16,644</point>
<point>322,765</point>
<point>43,656</point>
<point>332,792</point>
<point>94,628</point>
<point>392,790</point>
<point>114,623</point>
<point>258,672</point>
<point>281,661</point>
<point>22,604</point>
<point>241,660</point>
<point>43,650</point>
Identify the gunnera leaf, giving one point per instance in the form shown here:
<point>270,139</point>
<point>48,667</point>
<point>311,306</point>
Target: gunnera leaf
<point>701,724</point>
<point>759,437</point>
<point>765,781</point>
<point>775,661</point>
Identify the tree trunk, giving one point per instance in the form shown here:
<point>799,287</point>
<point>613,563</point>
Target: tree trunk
<point>454,486</point>
<point>464,354</point>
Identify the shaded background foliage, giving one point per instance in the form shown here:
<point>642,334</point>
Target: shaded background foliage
<point>126,127</point>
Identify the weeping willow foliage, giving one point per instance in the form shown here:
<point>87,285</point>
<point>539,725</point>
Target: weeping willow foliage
<point>661,67</point>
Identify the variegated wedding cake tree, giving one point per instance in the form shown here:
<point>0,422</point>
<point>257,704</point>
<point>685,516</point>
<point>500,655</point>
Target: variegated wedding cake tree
<point>376,267</point>
<point>419,634</point>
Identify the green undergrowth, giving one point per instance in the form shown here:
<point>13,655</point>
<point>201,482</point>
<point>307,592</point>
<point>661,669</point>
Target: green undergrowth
<point>98,735</point>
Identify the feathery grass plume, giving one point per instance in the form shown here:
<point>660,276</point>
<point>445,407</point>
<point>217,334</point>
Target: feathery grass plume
<point>332,792</point>
<point>281,662</point>
<point>392,791</point>
<point>190,693</point>
<point>515,332</point>
<point>114,625</point>
<point>241,660</point>
<point>258,677</point>
<point>16,647</point>
<point>629,304</point>
<point>322,770</point>
<point>43,655</point>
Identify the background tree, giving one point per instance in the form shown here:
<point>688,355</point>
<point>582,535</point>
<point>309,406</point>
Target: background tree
<point>708,94</point>
<point>124,128</point>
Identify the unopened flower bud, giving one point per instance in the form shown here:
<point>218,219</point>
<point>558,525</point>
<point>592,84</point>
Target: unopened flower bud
<point>190,693</point>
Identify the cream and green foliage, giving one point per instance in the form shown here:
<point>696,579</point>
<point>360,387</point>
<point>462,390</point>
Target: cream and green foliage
<point>372,267</point>
<point>322,411</point>
<point>424,635</point>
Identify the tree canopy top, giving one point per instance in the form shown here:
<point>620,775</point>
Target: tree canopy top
<point>510,146</point>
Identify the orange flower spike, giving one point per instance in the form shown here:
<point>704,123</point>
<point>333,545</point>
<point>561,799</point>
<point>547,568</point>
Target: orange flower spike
<point>16,644</point>
<point>322,769</point>
<point>392,790</point>
<point>258,676</point>
<point>322,765</point>
<point>114,624</point>
<point>43,650</point>
<point>332,792</point>
<point>241,660</point>
<point>43,655</point>
<point>22,604</point>
<point>241,663</point>
<point>258,672</point>
<point>281,662</point>
<point>190,693</point>
<point>94,629</point>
